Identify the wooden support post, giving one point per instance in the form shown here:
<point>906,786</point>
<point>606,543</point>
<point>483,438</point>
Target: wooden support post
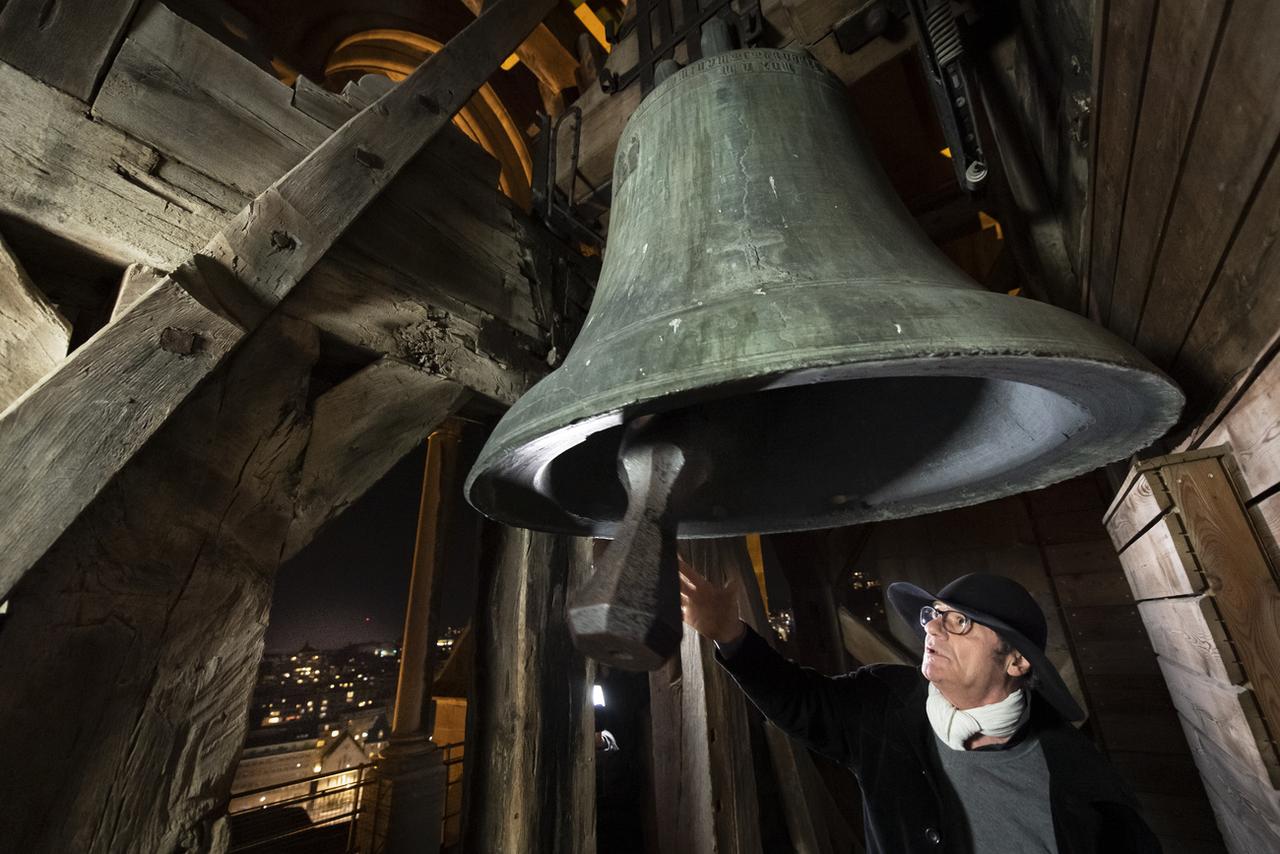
<point>114,392</point>
<point>529,781</point>
<point>412,776</point>
<point>134,648</point>
<point>704,777</point>
<point>33,334</point>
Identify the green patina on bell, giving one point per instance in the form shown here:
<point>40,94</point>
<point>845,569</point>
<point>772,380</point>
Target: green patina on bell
<point>762,273</point>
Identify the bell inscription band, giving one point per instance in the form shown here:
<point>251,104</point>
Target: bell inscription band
<point>763,280</point>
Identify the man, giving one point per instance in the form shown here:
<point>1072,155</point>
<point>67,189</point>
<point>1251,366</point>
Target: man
<point>972,752</point>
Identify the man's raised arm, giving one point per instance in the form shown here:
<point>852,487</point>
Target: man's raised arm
<point>820,710</point>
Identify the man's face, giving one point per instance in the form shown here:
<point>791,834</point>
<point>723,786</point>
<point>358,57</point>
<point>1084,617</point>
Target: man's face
<point>964,666</point>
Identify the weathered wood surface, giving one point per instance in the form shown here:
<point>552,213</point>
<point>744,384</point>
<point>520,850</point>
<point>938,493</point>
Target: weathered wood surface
<point>1245,590</point>
<point>543,54</point>
<point>1243,802</point>
<point>1159,563</point>
<point>867,646</point>
<point>1189,630</point>
<point>1241,313</point>
<point>245,269</point>
<point>157,353</point>
<point>714,806</point>
<point>1138,506</point>
<point>1181,46</point>
<point>1252,428</point>
<point>134,647</point>
<point>529,782</point>
<point>66,43</point>
<point>1125,34</point>
<point>360,429</point>
<point>1236,128</point>
<point>137,280</point>
<point>1226,715</point>
<point>33,333</point>
<point>89,183</point>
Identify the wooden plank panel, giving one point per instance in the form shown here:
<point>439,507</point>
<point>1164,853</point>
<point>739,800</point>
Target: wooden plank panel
<point>1181,47</point>
<point>33,333</point>
<point>1126,34</point>
<point>67,43</point>
<point>180,112</point>
<point>1257,804</point>
<point>1089,557</point>
<point>1245,590</point>
<point>1157,773</point>
<point>1140,730</point>
<point>1144,500</point>
<point>1108,587</point>
<point>1234,134</point>
<point>1159,564</point>
<point>90,183</point>
<point>1241,314</point>
<point>1266,521</point>
<point>1252,428</point>
<point>1189,630</point>
<point>1071,527</point>
<point>1115,658</point>
<point>1105,623</point>
<point>1226,715</point>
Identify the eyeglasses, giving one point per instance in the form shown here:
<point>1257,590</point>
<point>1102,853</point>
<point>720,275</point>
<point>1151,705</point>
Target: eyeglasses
<point>955,622</point>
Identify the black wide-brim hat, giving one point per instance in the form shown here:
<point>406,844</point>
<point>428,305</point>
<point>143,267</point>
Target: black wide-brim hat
<point>1004,606</point>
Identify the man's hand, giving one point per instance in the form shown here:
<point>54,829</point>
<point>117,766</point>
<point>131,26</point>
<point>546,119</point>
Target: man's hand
<point>710,609</point>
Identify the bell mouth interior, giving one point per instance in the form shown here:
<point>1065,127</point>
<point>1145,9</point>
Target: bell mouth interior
<point>829,453</point>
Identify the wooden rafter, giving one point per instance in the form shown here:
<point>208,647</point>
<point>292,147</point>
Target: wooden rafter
<point>114,392</point>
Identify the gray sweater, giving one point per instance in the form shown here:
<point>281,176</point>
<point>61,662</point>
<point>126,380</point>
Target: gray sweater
<point>1004,794</point>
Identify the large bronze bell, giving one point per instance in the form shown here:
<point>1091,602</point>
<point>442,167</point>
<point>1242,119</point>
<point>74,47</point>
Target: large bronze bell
<point>767,296</point>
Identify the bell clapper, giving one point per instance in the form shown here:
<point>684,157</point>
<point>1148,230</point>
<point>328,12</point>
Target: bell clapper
<point>628,614</point>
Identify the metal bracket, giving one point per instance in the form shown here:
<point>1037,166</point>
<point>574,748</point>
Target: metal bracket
<point>558,211</point>
<point>946,69</point>
<point>658,36</point>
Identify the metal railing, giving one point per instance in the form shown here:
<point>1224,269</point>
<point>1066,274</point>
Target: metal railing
<point>319,814</point>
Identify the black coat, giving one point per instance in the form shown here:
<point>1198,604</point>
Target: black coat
<point>873,721</point>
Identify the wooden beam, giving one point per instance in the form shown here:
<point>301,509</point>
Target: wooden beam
<point>89,183</point>
<point>67,43</point>
<point>116,390</point>
<point>33,333</point>
<point>529,784</point>
<point>867,646</point>
<point>134,647</point>
<point>137,280</point>
<point>360,429</point>
<point>543,54</point>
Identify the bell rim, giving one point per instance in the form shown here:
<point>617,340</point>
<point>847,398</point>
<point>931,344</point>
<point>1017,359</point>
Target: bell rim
<point>1162,398</point>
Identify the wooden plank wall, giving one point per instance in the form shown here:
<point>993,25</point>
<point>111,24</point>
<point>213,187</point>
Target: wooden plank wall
<point>1211,605</point>
<point>1052,541</point>
<point>1186,190</point>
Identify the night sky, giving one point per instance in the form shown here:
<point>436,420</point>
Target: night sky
<point>351,583</point>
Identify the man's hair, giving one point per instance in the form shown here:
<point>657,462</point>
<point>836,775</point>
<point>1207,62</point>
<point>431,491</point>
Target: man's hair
<point>1030,680</point>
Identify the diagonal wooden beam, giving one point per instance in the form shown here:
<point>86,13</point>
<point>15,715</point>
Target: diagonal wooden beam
<point>64,439</point>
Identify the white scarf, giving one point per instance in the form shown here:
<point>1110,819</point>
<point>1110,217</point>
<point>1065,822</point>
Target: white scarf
<point>955,726</point>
